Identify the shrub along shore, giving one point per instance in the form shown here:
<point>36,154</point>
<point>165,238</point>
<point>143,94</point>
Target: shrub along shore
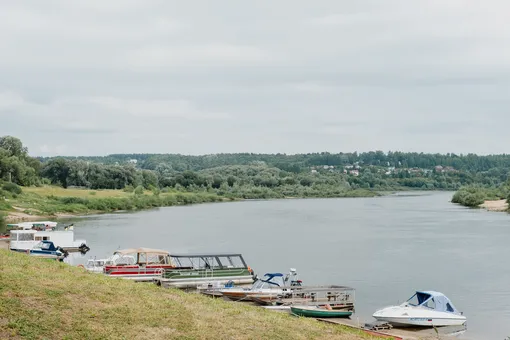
<point>492,198</point>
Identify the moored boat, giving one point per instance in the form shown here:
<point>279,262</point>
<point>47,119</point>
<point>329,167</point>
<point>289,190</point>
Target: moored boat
<point>194,270</point>
<point>424,309</point>
<point>335,296</point>
<point>46,249</point>
<point>36,225</point>
<point>270,286</point>
<point>320,312</point>
<point>26,239</point>
<point>138,264</point>
<point>95,265</point>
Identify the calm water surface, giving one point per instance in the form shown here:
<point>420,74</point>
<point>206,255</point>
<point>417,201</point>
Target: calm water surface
<point>385,247</point>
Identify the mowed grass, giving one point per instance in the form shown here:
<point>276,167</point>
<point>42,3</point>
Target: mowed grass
<point>73,192</point>
<point>43,299</point>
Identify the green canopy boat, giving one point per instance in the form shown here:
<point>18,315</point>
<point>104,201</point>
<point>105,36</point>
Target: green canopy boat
<point>319,312</point>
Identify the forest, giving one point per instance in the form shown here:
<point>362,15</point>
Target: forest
<point>247,175</point>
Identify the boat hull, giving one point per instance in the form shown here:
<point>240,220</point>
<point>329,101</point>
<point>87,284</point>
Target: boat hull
<point>422,322</point>
<point>418,317</point>
<point>319,312</point>
<point>193,282</point>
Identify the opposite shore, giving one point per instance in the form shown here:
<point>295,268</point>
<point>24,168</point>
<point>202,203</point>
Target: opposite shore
<point>56,202</point>
<point>32,203</point>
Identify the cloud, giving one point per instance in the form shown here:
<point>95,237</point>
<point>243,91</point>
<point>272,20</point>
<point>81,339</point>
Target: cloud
<point>222,76</point>
<point>208,54</point>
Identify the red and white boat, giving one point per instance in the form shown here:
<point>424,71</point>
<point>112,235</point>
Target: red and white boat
<point>139,264</point>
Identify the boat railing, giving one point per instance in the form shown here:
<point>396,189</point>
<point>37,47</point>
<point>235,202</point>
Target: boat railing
<point>316,295</point>
<point>182,273</point>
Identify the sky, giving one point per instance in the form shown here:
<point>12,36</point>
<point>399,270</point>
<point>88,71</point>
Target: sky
<point>200,77</point>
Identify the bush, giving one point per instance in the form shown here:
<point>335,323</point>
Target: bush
<point>129,188</point>
<point>471,196</point>
<point>73,200</point>
<point>139,190</point>
<point>13,188</point>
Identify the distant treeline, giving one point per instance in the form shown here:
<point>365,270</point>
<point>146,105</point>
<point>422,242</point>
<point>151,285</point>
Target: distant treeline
<point>302,162</point>
<point>248,175</point>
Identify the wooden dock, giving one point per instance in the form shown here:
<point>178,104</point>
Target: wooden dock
<point>397,333</point>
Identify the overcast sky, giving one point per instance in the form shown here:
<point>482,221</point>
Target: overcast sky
<point>198,77</point>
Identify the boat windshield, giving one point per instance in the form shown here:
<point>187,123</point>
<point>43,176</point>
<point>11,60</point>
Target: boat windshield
<point>418,299</point>
<point>95,263</point>
<point>269,281</point>
<point>42,246</point>
<point>121,260</point>
<point>263,285</point>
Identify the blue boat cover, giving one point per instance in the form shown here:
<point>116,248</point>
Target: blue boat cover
<point>435,300</point>
<point>273,274</point>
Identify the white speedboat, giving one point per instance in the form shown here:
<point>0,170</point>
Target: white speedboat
<point>425,309</point>
<point>269,287</point>
<point>95,266</point>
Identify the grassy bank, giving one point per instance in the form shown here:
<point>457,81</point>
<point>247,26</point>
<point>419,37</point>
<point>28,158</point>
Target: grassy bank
<point>53,200</point>
<point>50,201</point>
<point>42,299</point>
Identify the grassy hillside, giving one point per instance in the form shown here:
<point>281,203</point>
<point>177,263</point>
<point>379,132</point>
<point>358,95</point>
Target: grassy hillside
<point>42,299</point>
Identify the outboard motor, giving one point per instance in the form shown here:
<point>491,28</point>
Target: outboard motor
<point>292,276</point>
<point>83,248</point>
<point>65,252</point>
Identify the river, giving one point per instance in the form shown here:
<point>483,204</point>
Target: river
<point>385,247</point>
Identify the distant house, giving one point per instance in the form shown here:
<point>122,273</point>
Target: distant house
<point>314,171</point>
<point>354,172</point>
<point>133,161</point>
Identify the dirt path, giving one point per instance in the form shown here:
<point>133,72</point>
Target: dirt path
<point>4,244</point>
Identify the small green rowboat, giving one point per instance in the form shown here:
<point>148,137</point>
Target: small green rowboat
<point>315,312</point>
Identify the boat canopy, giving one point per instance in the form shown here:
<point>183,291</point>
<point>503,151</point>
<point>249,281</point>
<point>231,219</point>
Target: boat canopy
<point>40,225</point>
<point>141,250</point>
<point>209,261</point>
<point>433,300</point>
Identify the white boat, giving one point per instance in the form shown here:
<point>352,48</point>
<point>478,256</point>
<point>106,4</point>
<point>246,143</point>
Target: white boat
<point>38,225</point>
<point>425,309</point>
<point>95,265</point>
<point>138,264</point>
<point>269,287</point>
<point>23,240</point>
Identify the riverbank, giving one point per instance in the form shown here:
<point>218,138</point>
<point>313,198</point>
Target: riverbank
<point>491,199</point>
<point>47,299</point>
<point>497,205</point>
<point>51,201</point>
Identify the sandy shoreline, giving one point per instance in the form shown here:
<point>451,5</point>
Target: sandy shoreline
<point>498,205</point>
